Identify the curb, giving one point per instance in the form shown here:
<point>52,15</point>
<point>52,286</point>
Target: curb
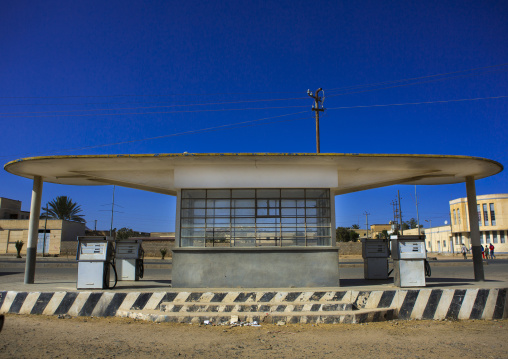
<point>430,304</point>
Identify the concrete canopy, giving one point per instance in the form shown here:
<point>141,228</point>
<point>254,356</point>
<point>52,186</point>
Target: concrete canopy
<point>166,173</point>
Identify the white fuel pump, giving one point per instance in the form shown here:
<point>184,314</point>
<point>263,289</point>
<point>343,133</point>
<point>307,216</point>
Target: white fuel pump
<point>129,259</point>
<point>95,256</point>
<point>409,255</point>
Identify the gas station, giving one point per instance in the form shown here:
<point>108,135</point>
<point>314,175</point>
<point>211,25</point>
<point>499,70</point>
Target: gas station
<point>253,225</point>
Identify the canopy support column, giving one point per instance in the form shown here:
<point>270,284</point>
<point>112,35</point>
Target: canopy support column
<point>475,229</point>
<point>33,230</point>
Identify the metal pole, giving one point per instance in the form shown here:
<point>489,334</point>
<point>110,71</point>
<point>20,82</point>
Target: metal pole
<point>112,211</point>
<point>367,222</point>
<point>45,227</point>
<point>417,215</point>
<point>400,214</point>
<point>479,275</point>
<point>33,229</point>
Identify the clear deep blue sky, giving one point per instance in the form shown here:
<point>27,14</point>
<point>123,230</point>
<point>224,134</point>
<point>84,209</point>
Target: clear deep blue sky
<point>86,73</point>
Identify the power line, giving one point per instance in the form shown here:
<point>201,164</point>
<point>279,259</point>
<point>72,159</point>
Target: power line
<point>417,103</point>
<point>418,78</point>
<point>160,112</point>
<point>209,129</point>
<point>233,93</point>
<point>149,107</point>
<point>406,84</point>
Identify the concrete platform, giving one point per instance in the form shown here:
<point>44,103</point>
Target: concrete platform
<point>450,294</point>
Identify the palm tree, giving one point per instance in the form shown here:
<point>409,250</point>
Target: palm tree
<point>63,208</point>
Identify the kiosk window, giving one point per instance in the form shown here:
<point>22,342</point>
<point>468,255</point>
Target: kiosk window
<point>255,217</point>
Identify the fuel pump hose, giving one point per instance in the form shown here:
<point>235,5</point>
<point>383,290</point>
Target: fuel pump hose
<point>428,272</point>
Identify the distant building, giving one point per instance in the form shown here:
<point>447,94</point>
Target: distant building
<point>492,219</point>
<point>54,232</point>
<point>11,209</point>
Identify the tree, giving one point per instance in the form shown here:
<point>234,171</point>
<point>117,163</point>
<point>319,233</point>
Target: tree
<point>63,207</point>
<point>355,226</point>
<point>410,224</point>
<point>343,234</point>
<point>124,233</point>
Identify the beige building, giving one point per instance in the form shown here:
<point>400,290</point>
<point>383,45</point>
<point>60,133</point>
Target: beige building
<point>492,219</point>
<point>11,209</point>
<point>57,231</point>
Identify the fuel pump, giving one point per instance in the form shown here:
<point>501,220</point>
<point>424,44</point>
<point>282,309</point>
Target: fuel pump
<point>129,259</point>
<point>409,260</point>
<point>95,256</point>
<point>375,258</point>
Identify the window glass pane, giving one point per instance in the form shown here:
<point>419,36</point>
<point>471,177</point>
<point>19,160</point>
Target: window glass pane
<point>288,203</point>
<point>243,203</point>
<point>268,193</point>
<point>317,193</point>
<point>218,193</point>
<point>286,212</point>
<point>494,237</point>
<point>193,203</point>
<point>217,203</point>
<point>293,193</point>
<point>217,212</point>
<point>192,213</point>
<point>492,214</point>
<point>193,232</point>
<point>217,221</point>
<point>485,215</point>
<point>192,242</point>
<point>192,222</point>
<point>193,193</point>
<point>243,212</point>
<point>243,193</point>
<point>243,221</point>
<point>501,237</point>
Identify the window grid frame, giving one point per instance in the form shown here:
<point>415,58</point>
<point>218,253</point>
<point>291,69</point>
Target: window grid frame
<point>310,236</point>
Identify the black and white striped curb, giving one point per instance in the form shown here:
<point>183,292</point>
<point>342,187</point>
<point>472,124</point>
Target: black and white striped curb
<point>407,304</point>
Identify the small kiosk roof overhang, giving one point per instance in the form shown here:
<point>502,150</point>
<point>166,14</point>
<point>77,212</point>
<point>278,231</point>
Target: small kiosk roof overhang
<point>166,173</point>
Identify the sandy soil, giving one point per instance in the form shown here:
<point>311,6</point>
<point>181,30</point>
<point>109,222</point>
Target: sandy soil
<point>50,337</point>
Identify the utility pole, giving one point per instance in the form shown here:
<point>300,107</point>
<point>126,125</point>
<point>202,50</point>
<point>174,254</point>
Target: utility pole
<point>317,109</point>
<point>112,211</point>
<point>95,228</point>
<point>395,215</point>
<point>45,227</point>
<point>400,214</point>
<point>430,230</point>
<point>367,222</point>
<point>417,215</point>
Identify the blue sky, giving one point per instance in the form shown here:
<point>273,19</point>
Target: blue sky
<point>88,73</point>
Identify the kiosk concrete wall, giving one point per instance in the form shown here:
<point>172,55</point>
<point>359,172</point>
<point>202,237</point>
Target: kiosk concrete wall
<point>255,267</point>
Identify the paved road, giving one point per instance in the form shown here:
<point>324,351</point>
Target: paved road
<point>61,274</point>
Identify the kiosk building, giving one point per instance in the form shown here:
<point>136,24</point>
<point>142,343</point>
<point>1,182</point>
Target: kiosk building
<point>252,220</point>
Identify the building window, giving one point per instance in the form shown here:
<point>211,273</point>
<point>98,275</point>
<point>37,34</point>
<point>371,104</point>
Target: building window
<point>454,217</point>
<point>501,237</point>
<point>479,215</point>
<point>492,214</point>
<point>255,217</point>
<point>487,237</point>
<point>494,236</point>
<point>444,244</point>
<point>485,215</point>
<point>458,214</point>
<point>481,238</point>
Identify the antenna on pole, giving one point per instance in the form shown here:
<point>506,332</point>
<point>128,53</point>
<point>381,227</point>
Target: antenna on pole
<point>317,109</point>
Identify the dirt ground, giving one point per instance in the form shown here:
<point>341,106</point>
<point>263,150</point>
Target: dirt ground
<point>50,337</point>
